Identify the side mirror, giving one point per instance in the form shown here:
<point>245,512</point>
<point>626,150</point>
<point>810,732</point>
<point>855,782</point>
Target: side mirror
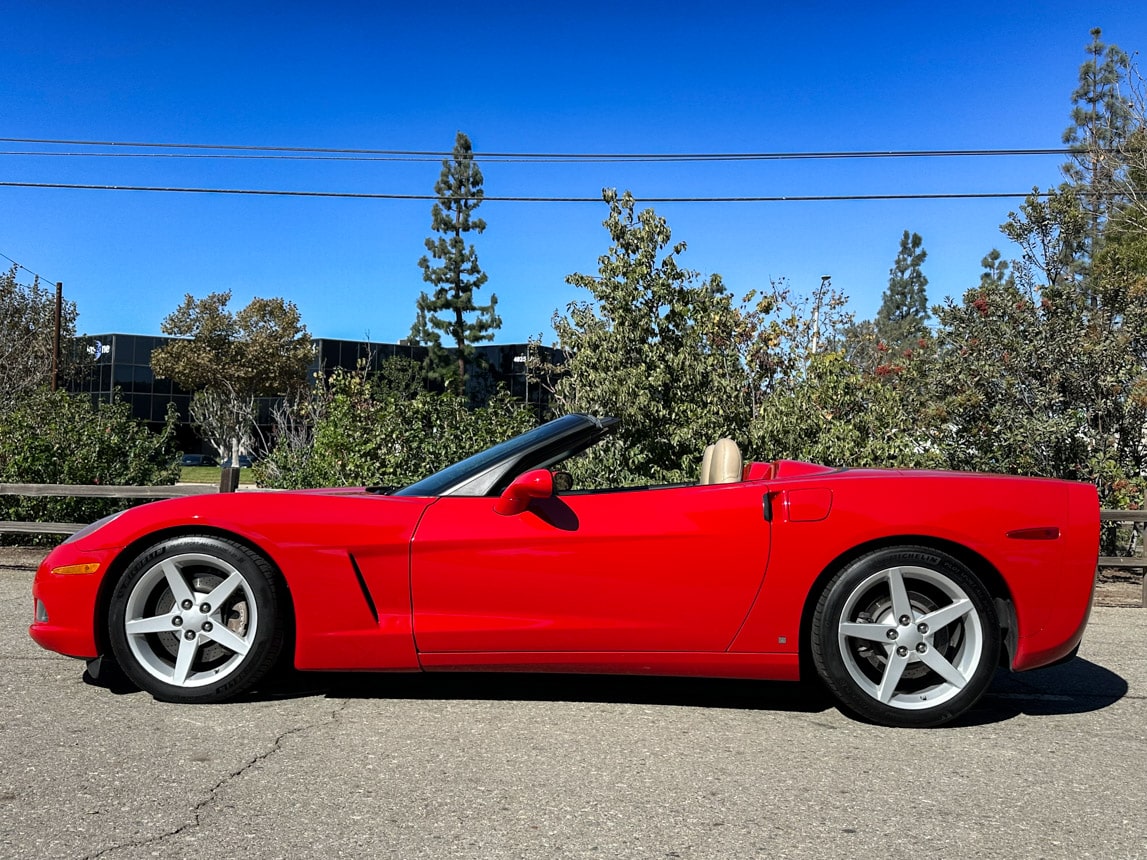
<point>535,484</point>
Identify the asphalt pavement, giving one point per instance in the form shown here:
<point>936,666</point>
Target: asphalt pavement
<point>1051,764</point>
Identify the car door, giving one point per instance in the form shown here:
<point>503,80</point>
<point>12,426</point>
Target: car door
<point>665,569</point>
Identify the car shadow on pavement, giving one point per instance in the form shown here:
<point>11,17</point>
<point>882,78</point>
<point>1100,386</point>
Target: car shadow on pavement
<point>516,686</point>
<point>1075,687</point>
<point>551,687</point>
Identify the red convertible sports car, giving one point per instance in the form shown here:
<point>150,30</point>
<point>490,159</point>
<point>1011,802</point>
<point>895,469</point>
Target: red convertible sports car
<point>902,590</point>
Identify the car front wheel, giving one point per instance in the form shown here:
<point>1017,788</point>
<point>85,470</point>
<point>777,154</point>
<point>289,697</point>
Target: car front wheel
<point>906,637</point>
<point>196,619</point>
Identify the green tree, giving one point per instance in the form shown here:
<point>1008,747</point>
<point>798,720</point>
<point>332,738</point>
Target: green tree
<point>830,404</point>
<point>229,359</point>
<point>27,333</point>
<point>839,415</point>
<point>1040,370</point>
<point>1116,349</point>
<point>1108,174</point>
<point>1008,360</point>
<point>449,308</point>
<point>656,346</point>
<point>863,348</point>
<point>798,327</point>
<point>1051,230</point>
<point>901,320</point>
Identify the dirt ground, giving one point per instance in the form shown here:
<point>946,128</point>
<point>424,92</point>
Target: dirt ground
<point>1117,586</point>
<point>21,558</point>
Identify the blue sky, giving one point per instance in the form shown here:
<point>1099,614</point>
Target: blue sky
<point>590,77</point>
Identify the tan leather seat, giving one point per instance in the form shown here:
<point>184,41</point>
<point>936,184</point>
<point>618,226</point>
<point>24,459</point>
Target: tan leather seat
<point>721,463</point>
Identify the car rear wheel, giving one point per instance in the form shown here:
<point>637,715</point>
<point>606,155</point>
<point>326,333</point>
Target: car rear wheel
<point>196,619</point>
<point>906,637</point>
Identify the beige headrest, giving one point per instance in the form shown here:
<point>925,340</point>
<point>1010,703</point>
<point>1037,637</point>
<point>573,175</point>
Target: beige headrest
<point>721,463</point>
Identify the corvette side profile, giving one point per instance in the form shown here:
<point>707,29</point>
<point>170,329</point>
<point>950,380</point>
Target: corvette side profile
<point>902,590</point>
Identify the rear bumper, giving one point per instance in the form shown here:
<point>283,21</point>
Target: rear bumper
<point>1053,644</point>
<point>1054,593</point>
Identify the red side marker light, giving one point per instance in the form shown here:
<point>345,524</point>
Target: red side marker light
<point>1041,533</point>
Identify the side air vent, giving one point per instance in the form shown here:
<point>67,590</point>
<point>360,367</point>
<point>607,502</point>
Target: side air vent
<point>362,585</point>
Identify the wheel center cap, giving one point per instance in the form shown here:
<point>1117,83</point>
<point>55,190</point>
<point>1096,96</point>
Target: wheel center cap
<point>909,636</point>
<point>195,619</point>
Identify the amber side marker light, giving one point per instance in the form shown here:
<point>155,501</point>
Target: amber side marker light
<point>1043,533</point>
<point>76,569</point>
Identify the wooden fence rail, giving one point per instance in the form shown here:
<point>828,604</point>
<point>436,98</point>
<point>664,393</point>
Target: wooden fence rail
<point>1137,519</point>
<point>228,483</point>
<point>1135,558</point>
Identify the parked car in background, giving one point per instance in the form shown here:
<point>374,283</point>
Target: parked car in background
<point>198,460</point>
<point>245,462</point>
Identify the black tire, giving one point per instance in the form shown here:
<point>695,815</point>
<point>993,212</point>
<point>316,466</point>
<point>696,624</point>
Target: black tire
<point>906,636</point>
<point>196,619</point>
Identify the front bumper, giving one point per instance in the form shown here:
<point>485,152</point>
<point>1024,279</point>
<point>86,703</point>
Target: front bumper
<point>65,604</point>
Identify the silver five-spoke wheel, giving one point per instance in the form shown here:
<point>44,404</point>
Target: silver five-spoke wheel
<point>906,637</point>
<point>195,619</point>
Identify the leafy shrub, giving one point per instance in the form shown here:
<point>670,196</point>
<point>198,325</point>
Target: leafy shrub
<point>56,438</point>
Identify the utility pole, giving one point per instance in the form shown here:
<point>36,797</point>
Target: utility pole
<point>825,283</point>
<point>56,336</point>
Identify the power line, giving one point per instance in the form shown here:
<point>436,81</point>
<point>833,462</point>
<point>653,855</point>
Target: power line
<point>232,156</point>
<point>329,153</point>
<point>803,198</point>
<point>26,269</point>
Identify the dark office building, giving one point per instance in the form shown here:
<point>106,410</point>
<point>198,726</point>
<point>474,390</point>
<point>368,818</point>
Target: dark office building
<point>123,362</point>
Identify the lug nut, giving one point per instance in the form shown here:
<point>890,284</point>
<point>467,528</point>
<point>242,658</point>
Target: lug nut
<point>921,648</point>
<point>177,621</point>
<point>892,634</point>
<point>187,604</point>
<point>902,650</point>
<point>905,620</point>
<point>922,628</point>
<point>207,625</point>
<point>205,608</point>
<point>189,634</point>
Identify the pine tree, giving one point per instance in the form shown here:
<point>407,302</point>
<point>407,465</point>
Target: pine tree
<point>1102,122</point>
<point>900,322</point>
<point>996,270</point>
<point>449,309</point>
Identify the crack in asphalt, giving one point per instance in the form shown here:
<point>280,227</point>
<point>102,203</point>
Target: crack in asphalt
<point>198,809</point>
